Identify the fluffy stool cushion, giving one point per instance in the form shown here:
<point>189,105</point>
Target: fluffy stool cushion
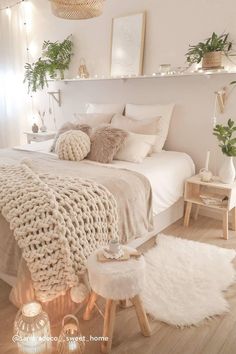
<point>73,145</point>
<point>116,280</point>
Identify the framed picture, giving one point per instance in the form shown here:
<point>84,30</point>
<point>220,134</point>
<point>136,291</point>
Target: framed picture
<point>128,34</point>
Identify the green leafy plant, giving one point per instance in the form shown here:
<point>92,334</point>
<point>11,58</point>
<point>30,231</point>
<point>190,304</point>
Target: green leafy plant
<point>214,43</point>
<point>56,56</point>
<point>224,135</point>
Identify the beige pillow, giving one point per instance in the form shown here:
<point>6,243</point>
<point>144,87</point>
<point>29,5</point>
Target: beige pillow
<point>105,142</point>
<point>105,108</point>
<point>94,119</point>
<point>85,128</point>
<point>146,126</point>
<point>140,112</point>
<point>135,148</point>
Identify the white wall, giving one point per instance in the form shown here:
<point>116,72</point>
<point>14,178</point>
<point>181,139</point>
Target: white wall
<point>171,27</point>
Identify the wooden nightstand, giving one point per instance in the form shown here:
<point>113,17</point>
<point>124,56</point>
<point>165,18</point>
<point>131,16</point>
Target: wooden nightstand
<point>196,190</point>
<point>37,137</point>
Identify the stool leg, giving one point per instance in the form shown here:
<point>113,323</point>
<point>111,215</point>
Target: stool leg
<point>109,321</point>
<point>90,306</point>
<point>142,317</point>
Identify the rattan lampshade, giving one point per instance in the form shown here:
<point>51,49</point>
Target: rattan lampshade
<point>77,9</point>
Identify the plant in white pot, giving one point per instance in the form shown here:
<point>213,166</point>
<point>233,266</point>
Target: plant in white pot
<point>227,143</point>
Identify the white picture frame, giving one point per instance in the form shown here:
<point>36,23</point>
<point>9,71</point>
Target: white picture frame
<point>127,47</point>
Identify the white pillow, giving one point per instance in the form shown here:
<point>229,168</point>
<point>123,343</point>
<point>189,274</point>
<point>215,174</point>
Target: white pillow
<point>105,108</point>
<point>140,112</point>
<point>93,119</point>
<point>135,147</point>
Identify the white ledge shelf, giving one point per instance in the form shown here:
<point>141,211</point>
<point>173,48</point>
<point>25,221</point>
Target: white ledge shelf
<point>207,73</point>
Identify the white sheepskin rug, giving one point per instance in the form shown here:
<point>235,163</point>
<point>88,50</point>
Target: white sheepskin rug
<point>185,280</point>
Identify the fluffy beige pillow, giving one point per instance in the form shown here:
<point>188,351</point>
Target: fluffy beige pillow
<point>147,126</point>
<point>135,148</point>
<point>105,142</point>
<point>85,128</point>
<point>73,145</point>
<point>94,119</point>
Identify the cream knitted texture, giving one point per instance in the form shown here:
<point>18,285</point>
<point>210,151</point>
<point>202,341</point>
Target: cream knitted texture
<point>73,145</point>
<point>58,222</point>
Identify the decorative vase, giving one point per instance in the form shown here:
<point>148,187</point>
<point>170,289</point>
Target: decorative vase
<point>35,128</point>
<point>212,60</point>
<point>227,171</point>
<point>83,71</point>
<point>43,128</point>
<point>32,330</point>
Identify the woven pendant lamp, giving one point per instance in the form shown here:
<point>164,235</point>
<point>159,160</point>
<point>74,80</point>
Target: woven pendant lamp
<point>77,9</point>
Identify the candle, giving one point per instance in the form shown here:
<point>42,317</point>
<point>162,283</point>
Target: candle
<point>207,161</point>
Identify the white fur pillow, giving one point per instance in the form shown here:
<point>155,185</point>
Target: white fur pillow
<point>73,145</point>
<point>136,147</point>
<point>93,119</point>
<point>141,112</point>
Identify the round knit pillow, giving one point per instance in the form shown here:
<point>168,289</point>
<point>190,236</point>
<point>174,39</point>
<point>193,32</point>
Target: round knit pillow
<point>73,145</point>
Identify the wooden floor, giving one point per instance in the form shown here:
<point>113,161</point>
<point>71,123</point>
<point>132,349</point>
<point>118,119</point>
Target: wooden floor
<point>211,337</point>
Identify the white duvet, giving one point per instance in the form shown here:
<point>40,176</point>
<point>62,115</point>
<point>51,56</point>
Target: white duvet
<point>166,172</point>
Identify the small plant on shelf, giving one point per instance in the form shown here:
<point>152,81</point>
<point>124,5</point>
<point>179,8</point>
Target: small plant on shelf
<point>56,57</point>
<point>224,134</point>
<point>210,51</point>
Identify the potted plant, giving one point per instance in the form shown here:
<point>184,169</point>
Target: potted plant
<point>210,52</point>
<point>227,143</point>
<point>56,57</point>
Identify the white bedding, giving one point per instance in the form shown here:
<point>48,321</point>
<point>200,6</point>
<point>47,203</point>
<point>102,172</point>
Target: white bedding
<point>166,172</point>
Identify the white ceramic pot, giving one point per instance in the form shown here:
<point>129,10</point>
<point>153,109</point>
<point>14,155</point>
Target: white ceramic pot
<point>227,171</point>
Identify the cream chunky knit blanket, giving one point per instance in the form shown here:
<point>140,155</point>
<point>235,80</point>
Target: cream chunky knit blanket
<point>58,222</point>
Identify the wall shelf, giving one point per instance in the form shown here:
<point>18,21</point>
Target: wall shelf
<point>207,74</point>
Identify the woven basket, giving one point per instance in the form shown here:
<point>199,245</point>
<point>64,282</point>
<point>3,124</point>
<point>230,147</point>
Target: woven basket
<point>77,9</point>
<point>212,60</point>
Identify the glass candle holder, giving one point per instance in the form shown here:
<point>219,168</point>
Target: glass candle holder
<point>32,330</point>
<point>70,340</point>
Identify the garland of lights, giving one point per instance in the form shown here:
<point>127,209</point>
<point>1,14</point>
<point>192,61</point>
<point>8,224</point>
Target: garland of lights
<point>26,37</point>
<point>11,6</point>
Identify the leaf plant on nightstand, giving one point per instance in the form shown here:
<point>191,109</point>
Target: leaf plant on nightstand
<point>227,143</point>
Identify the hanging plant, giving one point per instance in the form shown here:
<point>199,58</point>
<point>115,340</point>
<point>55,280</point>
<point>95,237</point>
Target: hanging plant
<point>56,56</point>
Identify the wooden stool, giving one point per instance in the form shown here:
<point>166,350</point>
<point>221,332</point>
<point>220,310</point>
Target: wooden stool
<point>116,281</point>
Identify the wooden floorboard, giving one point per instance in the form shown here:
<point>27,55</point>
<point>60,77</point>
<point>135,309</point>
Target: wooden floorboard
<point>215,336</point>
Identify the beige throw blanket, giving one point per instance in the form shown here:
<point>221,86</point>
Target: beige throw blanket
<point>58,222</point>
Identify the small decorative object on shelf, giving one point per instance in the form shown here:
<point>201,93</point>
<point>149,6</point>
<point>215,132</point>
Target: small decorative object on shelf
<point>227,143</point>
<point>205,174</point>
<point>210,52</point>
<point>165,68</point>
<point>83,71</point>
<point>35,128</point>
<point>32,330</point>
<point>70,340</point>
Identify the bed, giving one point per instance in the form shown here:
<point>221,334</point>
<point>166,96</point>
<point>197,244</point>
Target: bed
<point>163,175</point>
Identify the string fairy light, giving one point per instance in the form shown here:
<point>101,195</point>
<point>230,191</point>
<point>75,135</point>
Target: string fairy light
<point>23,7</point>
<point>11,6</point>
